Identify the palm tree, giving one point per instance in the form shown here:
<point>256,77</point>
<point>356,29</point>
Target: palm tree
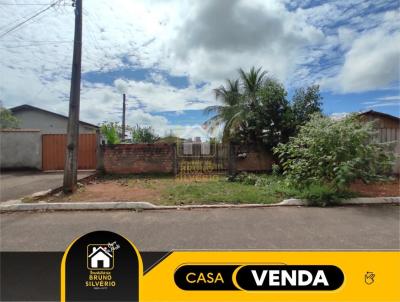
<point>252,82</point>
<point>238,99</point>
<point>230,112</point>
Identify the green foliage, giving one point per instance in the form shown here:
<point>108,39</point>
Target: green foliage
<point>306,102</point>
<point>314,194</point>
<point>255,109</point>
<point>111,130</point>
<point>216,191</point>
<point>317,194</point>
<point>144,135</point>
<point>334,153</point>
<point>7,120</point>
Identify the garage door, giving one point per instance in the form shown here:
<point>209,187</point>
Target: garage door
<point>53,151</point>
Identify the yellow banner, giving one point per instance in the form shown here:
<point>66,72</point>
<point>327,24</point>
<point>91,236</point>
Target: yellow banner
<point>367,276</point>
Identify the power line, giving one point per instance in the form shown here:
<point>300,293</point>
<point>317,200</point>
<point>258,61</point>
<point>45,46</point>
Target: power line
<point>30,18</point>
<point>24,4</point>
<point>36,44</point>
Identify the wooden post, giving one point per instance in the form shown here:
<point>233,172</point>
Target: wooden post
<point>123,117</point>
<point>71,158</point>
<point>175,158</point>
<point>232,159</point>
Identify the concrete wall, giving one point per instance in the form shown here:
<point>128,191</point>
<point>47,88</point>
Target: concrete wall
<point>20,149</point>
<point>138,158</point>
<point>48,123</point>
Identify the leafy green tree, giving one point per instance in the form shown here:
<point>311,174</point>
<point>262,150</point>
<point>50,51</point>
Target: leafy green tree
<point>111,130</point>
<point>333,153</point>
<point>7,120</point>
<point>144,135</point>
<point>254,109</point>
<point>306,102</point>
<point>269,120</point>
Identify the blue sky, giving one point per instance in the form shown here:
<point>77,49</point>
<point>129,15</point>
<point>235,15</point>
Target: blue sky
<point>167,56</point>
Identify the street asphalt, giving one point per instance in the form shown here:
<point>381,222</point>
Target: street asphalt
<point>17,184</point>
<point>277,228</point>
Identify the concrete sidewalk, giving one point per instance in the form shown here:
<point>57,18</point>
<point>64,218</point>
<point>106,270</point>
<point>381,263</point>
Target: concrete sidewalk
<point>349,227</point>
<point>17,184</point>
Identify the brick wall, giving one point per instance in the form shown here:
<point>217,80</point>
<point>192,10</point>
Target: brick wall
<point>139,158</point>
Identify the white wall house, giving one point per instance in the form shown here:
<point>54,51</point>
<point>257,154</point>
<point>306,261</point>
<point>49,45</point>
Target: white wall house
<point>47,122</point>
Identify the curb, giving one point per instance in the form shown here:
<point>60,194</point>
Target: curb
<point>17,205</point>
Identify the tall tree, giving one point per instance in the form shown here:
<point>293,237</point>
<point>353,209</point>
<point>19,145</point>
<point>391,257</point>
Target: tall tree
<point>306,102</point>
<point>254,109</point>
<point>251,82</point>
<point>231,112</point>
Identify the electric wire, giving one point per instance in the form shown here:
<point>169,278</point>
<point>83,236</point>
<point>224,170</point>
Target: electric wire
<point>28,19</point>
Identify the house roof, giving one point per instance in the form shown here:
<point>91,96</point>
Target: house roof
<point>98,250</point>
<point>381,114</point>
<point>29,107</point>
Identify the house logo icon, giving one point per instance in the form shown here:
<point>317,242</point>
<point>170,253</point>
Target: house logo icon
<point>100,257</point>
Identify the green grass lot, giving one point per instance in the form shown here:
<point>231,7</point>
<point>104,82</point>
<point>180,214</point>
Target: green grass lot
<point>217,191</point>
<point>246,188</point>
<point>169,190</point>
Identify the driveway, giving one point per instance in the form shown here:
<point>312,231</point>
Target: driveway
<point>14,185</point>
<point>276,228</point>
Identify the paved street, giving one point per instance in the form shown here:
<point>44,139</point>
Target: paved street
<point>18,184</point>
<point>359,227</point>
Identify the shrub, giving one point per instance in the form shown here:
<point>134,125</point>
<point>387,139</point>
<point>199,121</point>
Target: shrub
<point>110,131</point>
<point>317,194</point>
<point>143,135</point>
<point>7,120</point>
<point>245,178</point>
<point>334,153</point>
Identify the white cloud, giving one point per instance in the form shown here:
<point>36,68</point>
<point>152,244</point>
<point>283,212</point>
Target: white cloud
<point>218,37</point>
<point>373,59</point>
<point>386,101</point>
<point>337,116</point>
<point>204,40</point>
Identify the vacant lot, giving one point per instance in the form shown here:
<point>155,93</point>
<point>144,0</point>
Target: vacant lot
<point>169,190</point>
<point>198,190</point>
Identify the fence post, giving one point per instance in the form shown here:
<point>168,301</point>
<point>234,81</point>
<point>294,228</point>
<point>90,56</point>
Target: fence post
<point>175,159</point>
<point>232,159</point>
<point>99,153</point>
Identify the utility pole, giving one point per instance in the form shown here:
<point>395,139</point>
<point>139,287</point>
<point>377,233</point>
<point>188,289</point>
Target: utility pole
<point>123,117</point>
<point>71,156</point>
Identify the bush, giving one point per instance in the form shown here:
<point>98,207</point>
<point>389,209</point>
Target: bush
<point>333,153</point>
<point>245,178</point>
<point>315,194</point>
<point>7,120</point>
<point>110,131</point>
<point>144,135</point>
<point>322,195</point>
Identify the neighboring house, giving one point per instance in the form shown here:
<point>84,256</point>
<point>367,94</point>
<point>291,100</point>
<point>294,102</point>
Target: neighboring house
<point>388,127</point>
<point>100,258</point>
<point>40,142</point>
<point>48,122</point>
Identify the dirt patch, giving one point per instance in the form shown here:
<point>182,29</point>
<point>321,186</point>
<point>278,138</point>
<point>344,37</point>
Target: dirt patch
<point>381,189</point>
<point>111,190</point>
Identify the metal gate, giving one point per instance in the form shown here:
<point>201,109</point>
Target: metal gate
<point>202,159</point>
<point>54,147</point>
